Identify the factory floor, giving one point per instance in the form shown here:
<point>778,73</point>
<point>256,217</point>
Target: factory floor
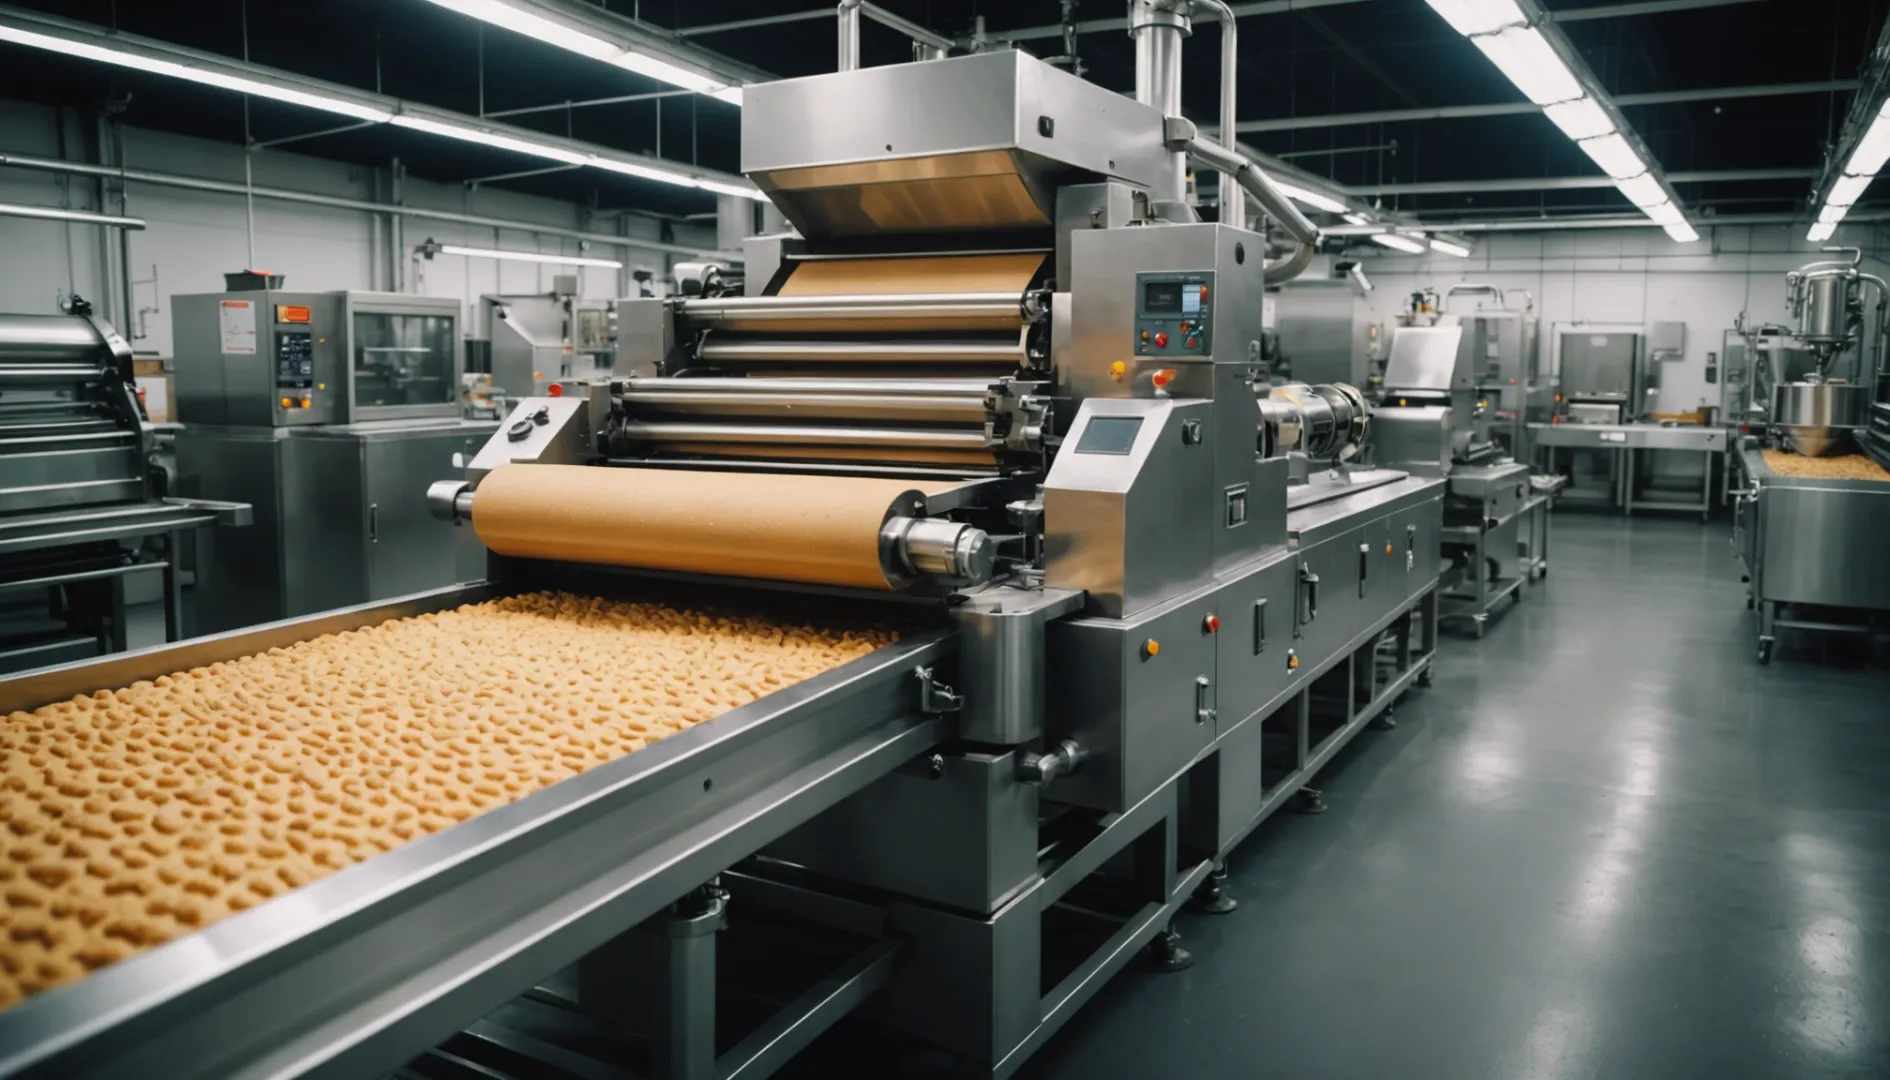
<point>1605,844</point>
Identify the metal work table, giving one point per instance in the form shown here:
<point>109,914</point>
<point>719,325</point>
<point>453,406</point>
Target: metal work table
<point>1623,442</point>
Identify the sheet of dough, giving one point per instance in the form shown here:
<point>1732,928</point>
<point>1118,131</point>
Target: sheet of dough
<point>784,526</point>
<point>906,277</point>
<point>1842,467</point>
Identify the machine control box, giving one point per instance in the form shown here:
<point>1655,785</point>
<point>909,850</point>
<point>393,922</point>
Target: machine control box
<point>1174,314</point>
<point>295,369</point>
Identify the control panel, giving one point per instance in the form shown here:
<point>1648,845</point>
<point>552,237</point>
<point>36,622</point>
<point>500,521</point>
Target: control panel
<point>295,369</point>
<point>1174,314</point>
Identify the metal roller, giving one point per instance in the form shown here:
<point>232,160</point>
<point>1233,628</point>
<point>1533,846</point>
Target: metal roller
<point>768,351</point>
<point>935,401</point>
<point>858,313</point>
<point>957,462</point>
<point>794,435</point>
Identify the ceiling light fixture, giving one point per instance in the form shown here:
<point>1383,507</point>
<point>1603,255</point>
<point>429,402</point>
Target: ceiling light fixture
<point>204,74</point>
<point>1438,243</point>
<point>429,249</point>
<point>1681,232</point>
<point>1359,219</point>
<point>1821,232</point>
<point>1520,40</point>
<point>1311,198</point>
<point>1399,243</point>
<point>521,19</point>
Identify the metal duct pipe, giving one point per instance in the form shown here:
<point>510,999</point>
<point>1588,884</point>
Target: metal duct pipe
<point>849,12</point>
<point>194,183</point>
<point>1234,209</point>
<point>1276,205</point>
<point>1158,27</point>
<point>82,217</point>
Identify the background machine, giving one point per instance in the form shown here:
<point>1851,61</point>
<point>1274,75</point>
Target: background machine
<point>323,411</point>
<point>1438,418</point>
<point>1004,386</point>
<point>1809,520</point>
<point>81,506</point>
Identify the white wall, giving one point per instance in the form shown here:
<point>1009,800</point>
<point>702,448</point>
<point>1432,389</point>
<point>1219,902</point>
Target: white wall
<point>1627,276</point>
<point>194,237</point>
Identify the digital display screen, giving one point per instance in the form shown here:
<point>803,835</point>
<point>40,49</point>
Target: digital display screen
<point>1109,435</point>
<point>1163,297</point>
<point>1191,300</point>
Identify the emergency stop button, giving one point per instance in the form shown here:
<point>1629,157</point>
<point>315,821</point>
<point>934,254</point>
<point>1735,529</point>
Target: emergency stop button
<point>1211,624</point>
<point>1161,341</point>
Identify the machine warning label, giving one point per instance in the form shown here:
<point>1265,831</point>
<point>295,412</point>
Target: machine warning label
<point>236,321</point>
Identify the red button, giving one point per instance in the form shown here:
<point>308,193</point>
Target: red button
<point>1161,341</point>
<point>555,390</point>
<point>1191,341</point>
<point>1213,623</point>
<point>1184,326</point>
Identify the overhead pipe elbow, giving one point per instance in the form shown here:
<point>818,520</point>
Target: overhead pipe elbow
<point>1288,267</point>
<point>1255,182</point>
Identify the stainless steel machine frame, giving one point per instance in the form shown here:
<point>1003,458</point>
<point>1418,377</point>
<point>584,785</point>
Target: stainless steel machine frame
<point>278,414</point>
<point>1812,548</point>
<point>1621,443</point>
<point>1436,418</point>
<point>1811,551</point>
<point>82,507</point>
<point>1077,745</point>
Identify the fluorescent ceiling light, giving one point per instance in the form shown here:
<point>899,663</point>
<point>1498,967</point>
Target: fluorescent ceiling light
<point>528,256</point>
<point>1438,243</point>
<point>1399,243</point>
<point>1665,214</point>
<point>1359,219</point>
<point>1583,118</point>
<point>487,137</point>
<point>1614,155</point>
<point>644,171</point>
<point>205,75</point>
<point>1643,190</point>
<point>54,213</point>
<point>1848,190</point>
<point>572,39</point>
<point>1821,232</point>
<point>1469,17</point>
<point>1831,215</point>
<point>1873,149</point>
<point>1526,57</point>
<point>1311,198</point>
<point>1682,232</point>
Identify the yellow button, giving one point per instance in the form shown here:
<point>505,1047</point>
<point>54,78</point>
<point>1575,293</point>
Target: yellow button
<point>1118,371</point>
<point>1388,549</point>
<point>1151,647</point>
<point>288,403</point>
<point>1292,661</point>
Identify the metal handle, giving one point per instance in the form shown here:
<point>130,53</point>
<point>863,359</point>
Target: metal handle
<point>1035,768</point>
<point>1205,707</point>
<point>1259,626</point>
<point>1364,566</point>
<point>1311,581</point>
<point>374,523</point>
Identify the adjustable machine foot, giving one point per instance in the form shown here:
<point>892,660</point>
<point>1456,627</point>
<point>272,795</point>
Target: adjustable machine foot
<point>1213,897</point>
<point>1166,954</point>
<point>1311,801</point>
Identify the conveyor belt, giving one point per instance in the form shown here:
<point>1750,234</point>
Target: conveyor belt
<point>366,967</point>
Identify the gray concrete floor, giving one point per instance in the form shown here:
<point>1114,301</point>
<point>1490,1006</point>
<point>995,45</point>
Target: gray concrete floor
<point>1606,844</point>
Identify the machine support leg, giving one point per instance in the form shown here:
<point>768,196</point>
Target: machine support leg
<point>1311,801</point>
<point>1384,721</point>
<point>118,635</point>
<point>1166,954</point>
<point>173,588</point>
<point>682,990</point>
<point>1213,897</point>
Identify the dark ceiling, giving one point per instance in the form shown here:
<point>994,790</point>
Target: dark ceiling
<point>1343,57</point>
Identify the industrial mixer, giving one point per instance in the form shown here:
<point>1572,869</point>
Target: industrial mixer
<point>1002,392</point>
<point>1815,501</point>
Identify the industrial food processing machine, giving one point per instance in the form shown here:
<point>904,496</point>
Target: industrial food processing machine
<point>1003,386</point>
<point>323,411</point>
<point>1436,420</point>
<point>533,341</point>
<point>81,507</point>
<point>1815,503</point>
<point>1606,428</point>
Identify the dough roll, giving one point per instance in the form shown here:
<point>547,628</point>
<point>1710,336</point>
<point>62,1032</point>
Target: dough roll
<point>789,527</point>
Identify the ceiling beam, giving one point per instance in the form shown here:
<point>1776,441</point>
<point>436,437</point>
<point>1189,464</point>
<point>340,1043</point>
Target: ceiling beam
<point>1515,108</point>
<point>1639,7</point>
<point>1601,221</point>
<point>1567,183</point>
<point>1091,26</point>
